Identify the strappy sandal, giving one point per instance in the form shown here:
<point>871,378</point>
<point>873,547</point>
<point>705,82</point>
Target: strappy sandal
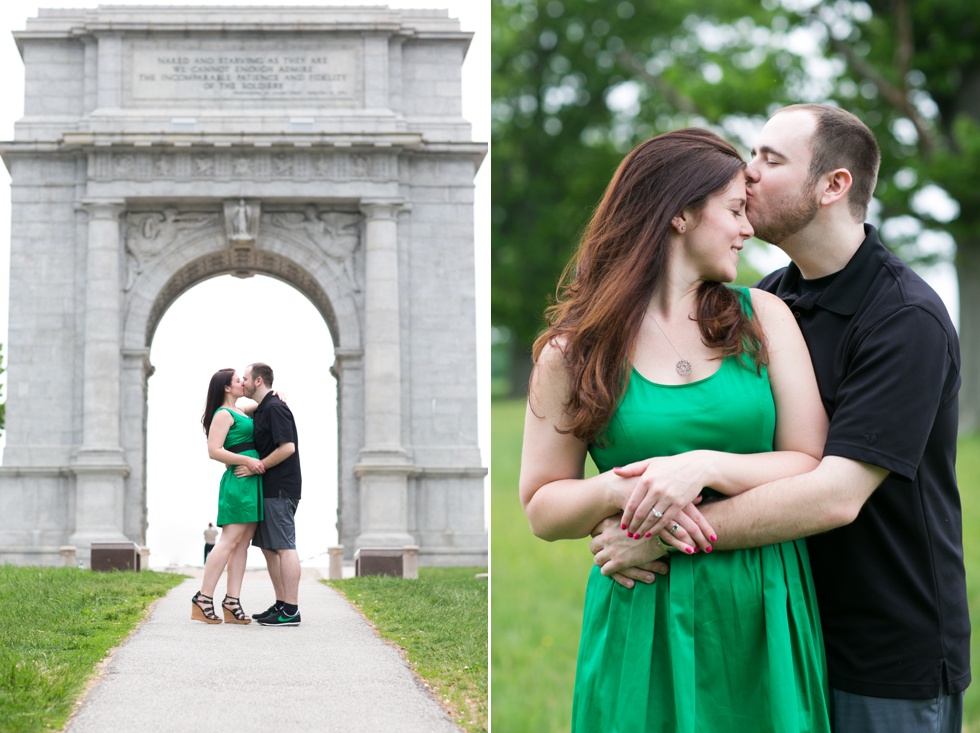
<point>233,611</point>
<point>202,609</point>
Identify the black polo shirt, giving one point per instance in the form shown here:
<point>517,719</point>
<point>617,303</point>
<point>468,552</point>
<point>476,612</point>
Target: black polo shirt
<point>274,424</point>
<point>891,586</point>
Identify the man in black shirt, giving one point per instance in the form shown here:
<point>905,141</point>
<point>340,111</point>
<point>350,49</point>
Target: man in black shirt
<point>881,511</point>
<point>276,440</point>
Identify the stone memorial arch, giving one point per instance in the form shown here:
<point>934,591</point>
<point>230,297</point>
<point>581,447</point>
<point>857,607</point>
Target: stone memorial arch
<point>163,146</point>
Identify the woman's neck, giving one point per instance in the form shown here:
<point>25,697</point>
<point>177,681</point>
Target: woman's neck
<point>673,299</point>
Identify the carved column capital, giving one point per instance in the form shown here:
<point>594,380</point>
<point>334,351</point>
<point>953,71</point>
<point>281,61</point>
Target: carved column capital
<point>383,209</point>
<point>102,208</point>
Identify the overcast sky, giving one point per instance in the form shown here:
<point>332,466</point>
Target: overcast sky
<point>290,335</point>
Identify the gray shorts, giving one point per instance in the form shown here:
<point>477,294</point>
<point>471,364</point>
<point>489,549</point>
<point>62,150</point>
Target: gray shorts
<point>860,714</point>
<point>278,530</point>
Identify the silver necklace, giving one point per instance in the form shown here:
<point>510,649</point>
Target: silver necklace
<point>683,366</point>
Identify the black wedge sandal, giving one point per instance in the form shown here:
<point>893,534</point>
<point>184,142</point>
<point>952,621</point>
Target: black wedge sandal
<point>202,609</point>
<point>233,611</point>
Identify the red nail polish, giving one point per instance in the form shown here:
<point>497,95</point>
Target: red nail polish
<point>636,536</point>
<point>648,534</point>
<point>713,538</point>
<point>708,548</point>
<point>630,535</point>
<point>688,550</point>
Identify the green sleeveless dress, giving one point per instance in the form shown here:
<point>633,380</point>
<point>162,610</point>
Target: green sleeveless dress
<point>727,641</point>
<point>239,499</point>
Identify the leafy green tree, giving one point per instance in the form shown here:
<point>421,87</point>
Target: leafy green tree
<point>576,83</point>
<point>911,70</point>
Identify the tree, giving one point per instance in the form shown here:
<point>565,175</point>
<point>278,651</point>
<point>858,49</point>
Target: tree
<point>576,83</point>
<point>911,70</point>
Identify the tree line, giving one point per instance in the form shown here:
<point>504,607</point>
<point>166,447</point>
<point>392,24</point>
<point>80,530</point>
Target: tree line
<point>577,83</point>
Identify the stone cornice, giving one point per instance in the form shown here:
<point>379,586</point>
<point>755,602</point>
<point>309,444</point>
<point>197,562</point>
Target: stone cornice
<point>54,24</point>
<point>222,141</point>
<point>175,143</point>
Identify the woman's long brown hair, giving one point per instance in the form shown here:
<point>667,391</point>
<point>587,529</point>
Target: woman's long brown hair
<point>216,396</point>
<point>621,260</point>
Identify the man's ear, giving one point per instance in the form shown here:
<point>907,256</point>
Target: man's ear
<point>836,184</point>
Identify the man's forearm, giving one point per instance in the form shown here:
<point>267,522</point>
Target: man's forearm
<point>280,454</point>
<point>828,497</point>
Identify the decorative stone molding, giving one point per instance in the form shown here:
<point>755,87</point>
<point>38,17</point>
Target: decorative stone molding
<point>245,164</point>
<point>150,234</point>
<point>335,233</point>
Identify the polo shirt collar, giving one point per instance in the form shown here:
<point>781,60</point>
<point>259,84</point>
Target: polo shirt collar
<point>844,294</point>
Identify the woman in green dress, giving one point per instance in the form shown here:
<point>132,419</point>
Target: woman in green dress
<point>230,441</point>
<point>648,353</point>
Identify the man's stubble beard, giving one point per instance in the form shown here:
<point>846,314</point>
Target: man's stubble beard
<point>791,216</point>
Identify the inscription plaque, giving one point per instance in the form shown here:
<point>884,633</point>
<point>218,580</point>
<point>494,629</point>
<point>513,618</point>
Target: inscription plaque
<point>215,70</point>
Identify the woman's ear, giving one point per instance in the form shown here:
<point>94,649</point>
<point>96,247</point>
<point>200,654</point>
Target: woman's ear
<point>679,223</point>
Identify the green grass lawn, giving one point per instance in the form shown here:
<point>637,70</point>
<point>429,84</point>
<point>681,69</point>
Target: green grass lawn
<point>538,589</point>
<point>441,622</point>
<point>58,623</point>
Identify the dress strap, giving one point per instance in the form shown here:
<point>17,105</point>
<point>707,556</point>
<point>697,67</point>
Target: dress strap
<point>230,411</point>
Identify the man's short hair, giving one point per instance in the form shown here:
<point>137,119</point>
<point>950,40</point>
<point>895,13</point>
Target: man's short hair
<point>263,371</point>
<point>841,140</point>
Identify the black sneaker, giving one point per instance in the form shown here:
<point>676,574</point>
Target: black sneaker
<point>270,611</point>
<point>279,618</point>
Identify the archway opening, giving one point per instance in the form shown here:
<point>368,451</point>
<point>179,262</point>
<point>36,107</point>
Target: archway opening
<point>232,322</point>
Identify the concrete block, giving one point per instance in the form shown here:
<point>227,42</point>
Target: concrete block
<point>399,562</point>
<point>69,558</point>
<point>115,556</point>
<point>336,562</point>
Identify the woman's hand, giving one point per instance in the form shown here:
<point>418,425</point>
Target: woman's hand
<point>665,487</point>
<point>685,532</point>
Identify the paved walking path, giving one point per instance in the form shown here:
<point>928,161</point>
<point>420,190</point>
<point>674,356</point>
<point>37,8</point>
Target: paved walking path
<point>331,673</point>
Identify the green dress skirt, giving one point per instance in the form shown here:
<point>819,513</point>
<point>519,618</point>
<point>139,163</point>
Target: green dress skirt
<point>239,499</point>
<point>727,641</point>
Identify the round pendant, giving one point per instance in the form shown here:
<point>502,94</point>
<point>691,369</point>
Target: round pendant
<point>683,367</point>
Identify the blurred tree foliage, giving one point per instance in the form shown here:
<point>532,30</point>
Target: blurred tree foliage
<point>577,83</point>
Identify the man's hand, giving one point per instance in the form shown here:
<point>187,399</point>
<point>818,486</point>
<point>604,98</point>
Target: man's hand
<point>253,467</point>
<point>625,560</point>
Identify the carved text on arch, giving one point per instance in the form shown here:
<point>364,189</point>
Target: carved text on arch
<point>335,233</point>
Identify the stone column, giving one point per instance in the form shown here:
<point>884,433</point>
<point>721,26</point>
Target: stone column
<point>99,465</point>
<point>383,466</point>
<point>348,370</point>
